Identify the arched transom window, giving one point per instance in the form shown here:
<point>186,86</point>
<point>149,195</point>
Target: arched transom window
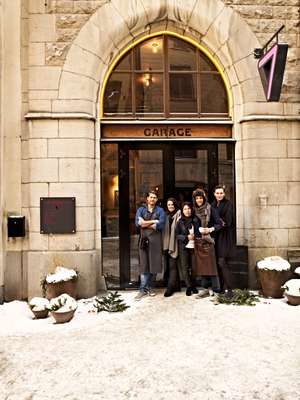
<point>165,77</point>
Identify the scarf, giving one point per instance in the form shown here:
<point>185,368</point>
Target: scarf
<point>169,239</point>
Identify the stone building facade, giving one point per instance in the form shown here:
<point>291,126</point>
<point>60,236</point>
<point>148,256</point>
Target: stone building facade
<point>55,58</point>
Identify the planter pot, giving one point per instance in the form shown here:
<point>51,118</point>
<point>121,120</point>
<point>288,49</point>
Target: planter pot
<point>293,300</point>
<point>62,317</point>
<point>271,282</point>
<point>40,314</point>
<point>57,288</point>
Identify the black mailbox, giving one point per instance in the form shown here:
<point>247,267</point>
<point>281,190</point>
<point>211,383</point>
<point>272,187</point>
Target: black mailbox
<point>16,226</point>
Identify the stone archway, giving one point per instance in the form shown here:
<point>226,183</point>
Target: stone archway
<point>115,24</point>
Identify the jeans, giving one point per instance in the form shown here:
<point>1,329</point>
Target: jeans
<point>211,281</point>
<point>147,280</point>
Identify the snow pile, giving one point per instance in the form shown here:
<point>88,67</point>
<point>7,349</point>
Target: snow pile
<point>63,303</point>
<point>292,287</point>
<point>61,274</point>
<point>39,304</point>
<point>274,263</point>
<point>297,270</point>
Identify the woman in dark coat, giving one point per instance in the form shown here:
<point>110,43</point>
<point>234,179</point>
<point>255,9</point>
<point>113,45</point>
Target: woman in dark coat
<point>225,237</point>
<point>185,235</point>
<point>209,222</point>
<point>170,247</point>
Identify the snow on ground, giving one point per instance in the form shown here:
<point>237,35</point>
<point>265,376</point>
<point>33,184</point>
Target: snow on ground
<point>160,348</point>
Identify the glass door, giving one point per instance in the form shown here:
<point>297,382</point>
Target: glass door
<point>129,170</point>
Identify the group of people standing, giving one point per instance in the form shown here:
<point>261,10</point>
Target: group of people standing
<point>195,239</point>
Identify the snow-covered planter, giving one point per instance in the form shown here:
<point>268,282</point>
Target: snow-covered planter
<point>62,308</point>
<point>292,291</point>
<point>63,280</point>
<point>297,270</point>
<point>39,307</point>
<point>272,273</point>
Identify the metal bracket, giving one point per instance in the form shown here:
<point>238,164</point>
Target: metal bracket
<point>259,52</point>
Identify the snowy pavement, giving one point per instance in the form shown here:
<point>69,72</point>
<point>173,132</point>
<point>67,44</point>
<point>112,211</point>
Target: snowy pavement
<point>160,348</point>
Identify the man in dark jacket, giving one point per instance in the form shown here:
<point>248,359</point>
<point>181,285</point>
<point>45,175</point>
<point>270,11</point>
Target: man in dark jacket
<point>150,219</point>
<point>224,238</point>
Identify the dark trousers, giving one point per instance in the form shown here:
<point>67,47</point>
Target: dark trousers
<point>172,274</point>
<point>225,274</point>
<point>187,266</point>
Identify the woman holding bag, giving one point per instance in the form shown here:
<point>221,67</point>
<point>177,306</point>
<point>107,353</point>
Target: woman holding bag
<point>205,259</point>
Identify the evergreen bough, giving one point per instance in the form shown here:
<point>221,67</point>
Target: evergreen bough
<point>239,298</point>
<point>110,303</point>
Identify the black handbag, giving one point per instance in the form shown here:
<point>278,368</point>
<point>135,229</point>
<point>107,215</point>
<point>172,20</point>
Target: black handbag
<point>144,243</point>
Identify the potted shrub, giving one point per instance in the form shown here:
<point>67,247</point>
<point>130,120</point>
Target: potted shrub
<point>63,280</point>
<point>39,307</point>
<point>62,308</point>
<point>272,273</point>
<point>292,291</point>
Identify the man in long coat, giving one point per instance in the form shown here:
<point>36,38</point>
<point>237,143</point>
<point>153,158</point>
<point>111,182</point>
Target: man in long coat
<point>151,220</point>
<point>225,237</point>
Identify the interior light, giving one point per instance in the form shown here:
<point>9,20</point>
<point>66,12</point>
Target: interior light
<point>155,46</point>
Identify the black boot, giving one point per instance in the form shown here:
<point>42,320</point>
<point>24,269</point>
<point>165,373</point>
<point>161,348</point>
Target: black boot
<point>188,291</point>
<point>194,289</point>
<point>169,293</point>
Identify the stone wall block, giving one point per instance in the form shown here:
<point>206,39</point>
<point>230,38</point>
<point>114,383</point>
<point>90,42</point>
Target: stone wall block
<point>132,12</point>
<point>76,106</point>
<point>32,192</point>
<point>259,130</point>
<point>289,216</point>
<point>42,28</point>
<point>294,149</point>
<point>80,128</point>
<point>259,108</point>
<point>262,218</point>
<point>39,106</point>
<point>209,12</point>
<point>83,62</point>
<point>66,35</point>
<point>33,219</point>
<point>83,192</point>
<point>252,90</point>
<point>76,170</point>
<point>36,6</point>
<point>289,169</point>
<point>294,192</point>
<point>70,21</point>
<point>36,54</point>
<point>37,241</point>
<point>42,94</point>
<point>277,193</point>
<point>43,170</point>
<point>44,78</point>
<point>266,237</point>
<point>111,25</point>
<point>155,14</point>
<point>43,129</point>
<point>13,276</point>
<point>74,86</point>
<point>262,170</point>
<point>85,219</point>
<point>56,53</point>
<point>289,129</point>
<point>294,237</point>
<point>78,241</point>
<point>68,148</point>
<point>264,148</point>
<point>36,148</point>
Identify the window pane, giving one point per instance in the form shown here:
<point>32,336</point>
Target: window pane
<point>206,64</point>
<point>149,55</point>
<point>226,168</point>
<point>149,93</point>
<point>182,55</point>
<point>124,64</point>
<point>213,94</point>
<point>110,213</point>
<point>117,97</point>
<point>183,93</point>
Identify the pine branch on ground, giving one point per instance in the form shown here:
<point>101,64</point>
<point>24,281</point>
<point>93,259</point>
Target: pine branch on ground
<point>110,303</point>
<point>238,297</point>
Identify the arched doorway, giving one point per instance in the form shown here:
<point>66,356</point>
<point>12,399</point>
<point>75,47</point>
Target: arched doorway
<point>165,126</point>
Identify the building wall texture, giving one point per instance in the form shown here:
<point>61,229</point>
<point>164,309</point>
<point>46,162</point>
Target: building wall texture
<point>57,55</point>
